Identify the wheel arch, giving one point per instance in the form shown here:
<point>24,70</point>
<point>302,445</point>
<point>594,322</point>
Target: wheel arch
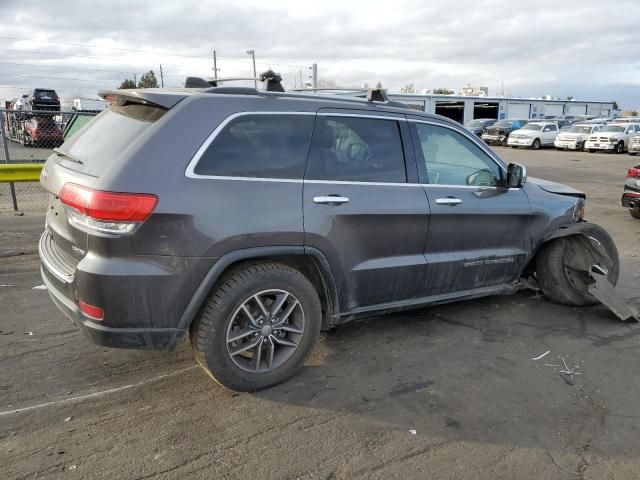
<point>310,261</point>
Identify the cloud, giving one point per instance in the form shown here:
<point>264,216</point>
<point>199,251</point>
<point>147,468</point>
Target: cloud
<point>563,48</point>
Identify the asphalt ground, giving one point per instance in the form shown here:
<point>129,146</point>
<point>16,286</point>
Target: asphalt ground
<point>448,392</point>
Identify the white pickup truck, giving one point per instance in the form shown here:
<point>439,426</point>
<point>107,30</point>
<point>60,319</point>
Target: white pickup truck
<point>613,137</point>
<point>534,135</point>
<point>575,137</point>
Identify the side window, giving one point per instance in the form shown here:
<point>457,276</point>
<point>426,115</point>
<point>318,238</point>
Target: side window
<point>356,149</point>
<point>451,158</point>
<point>264,146</point>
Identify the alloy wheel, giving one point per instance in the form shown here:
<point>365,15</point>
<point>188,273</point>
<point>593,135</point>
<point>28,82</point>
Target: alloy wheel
<point>265,331</point>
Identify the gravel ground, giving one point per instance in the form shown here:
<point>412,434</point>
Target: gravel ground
<point>448,392</point>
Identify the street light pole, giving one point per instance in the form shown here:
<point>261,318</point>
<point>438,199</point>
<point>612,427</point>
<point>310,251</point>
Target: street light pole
<point>253,56</point>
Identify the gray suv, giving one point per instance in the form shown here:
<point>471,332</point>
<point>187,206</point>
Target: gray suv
<point>252,220</point>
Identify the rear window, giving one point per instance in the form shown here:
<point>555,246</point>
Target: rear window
<point>105,137</point>
<point>46,95</point>
<point>262,146</point>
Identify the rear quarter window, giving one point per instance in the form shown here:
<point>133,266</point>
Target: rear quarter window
<point>260,146</point>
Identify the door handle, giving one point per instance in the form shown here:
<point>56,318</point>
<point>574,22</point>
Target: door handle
<point>331,200</point>
<point>448,201</point>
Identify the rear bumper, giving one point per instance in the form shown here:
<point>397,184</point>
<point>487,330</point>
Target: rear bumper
<point>630,197</point>
<point>139,338</point>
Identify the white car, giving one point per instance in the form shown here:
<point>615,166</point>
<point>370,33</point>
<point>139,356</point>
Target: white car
<point>575,137</point>
<point>534,135</point>
<point>613,137</point>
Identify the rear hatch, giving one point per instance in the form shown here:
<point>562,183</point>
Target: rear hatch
<point>82,160</point>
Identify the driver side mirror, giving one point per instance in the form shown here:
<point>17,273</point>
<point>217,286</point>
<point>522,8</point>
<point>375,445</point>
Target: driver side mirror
<point>516,175</point>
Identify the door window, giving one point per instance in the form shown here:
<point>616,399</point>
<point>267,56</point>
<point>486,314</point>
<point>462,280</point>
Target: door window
<point>258,145</point>
<point>450,158</point>
<point>356,149</point>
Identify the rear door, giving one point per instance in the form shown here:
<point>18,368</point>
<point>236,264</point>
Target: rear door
<point>364,209</point>
<point>478,228</point>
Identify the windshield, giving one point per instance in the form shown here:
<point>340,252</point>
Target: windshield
<point>580,129</point>
<point>46,95</point>
<point>532,126</point>
<point>613,128</point>
<point>109,134</point>
<point>504,123</point>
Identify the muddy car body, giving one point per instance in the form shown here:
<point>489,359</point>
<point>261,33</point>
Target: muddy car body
<point>250,220</point>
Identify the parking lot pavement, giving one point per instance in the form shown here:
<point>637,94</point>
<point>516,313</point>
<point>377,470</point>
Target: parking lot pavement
<point>448,392</point>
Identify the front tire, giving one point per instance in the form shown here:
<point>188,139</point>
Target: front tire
<point>619,148</point>
<point>536,144</point>
<point>258,327</point>
<point>562,283</point>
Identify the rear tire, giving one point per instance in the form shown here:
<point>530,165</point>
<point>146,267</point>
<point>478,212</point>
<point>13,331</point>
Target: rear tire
<point>233,320</point>
<point>536,144</point>
<point>635,213</point>
<point>562,284</point>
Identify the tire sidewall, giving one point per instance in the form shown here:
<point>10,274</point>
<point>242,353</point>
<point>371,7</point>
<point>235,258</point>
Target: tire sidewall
<point>226,302</point>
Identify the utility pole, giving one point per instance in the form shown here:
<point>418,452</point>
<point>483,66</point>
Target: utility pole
<point>135,79</point>
<point>253,56</point>
<point>161,77</point>
<point>314,75</point>
<point>215,65</point>
<point>301,82</point>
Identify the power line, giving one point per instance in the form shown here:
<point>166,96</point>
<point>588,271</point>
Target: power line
<point>66,67</point>
<point>55,78</point>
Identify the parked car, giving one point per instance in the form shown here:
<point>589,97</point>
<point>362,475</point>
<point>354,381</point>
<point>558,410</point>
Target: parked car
<point>631,195</point>
<point>613,137</point>
<point>633,145</point>
<point>42,131</point>
<point>576,136</point>
<point>479,125</point>
<point>251,220</point>
<point>43,99</point>
<point>563,123</point>
<point>534,135</point>
<point>498,133</point>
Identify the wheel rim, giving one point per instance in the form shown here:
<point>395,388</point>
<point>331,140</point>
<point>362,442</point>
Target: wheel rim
<point>265,331</point>
<point>579,279</point>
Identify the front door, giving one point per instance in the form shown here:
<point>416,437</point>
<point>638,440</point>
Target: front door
<point>361,211</point>
<point>478,228</point>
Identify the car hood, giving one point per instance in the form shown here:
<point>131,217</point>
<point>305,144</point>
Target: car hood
<point>557,188</point>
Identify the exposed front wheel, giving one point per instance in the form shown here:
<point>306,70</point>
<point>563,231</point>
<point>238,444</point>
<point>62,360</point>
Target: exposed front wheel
<point>619,147</point>
<point>258,327</point>
<point>562,265</point>
<point>536,144</point>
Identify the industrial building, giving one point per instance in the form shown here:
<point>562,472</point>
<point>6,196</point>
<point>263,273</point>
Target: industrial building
<point>465,108</point>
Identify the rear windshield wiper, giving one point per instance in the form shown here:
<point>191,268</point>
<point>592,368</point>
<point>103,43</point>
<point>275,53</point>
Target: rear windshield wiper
<point>60,153</point>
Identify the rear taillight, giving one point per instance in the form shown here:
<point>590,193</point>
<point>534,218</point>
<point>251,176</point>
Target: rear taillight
<point>633,172</point>
<point>108,212</point>
<point>94,313</point>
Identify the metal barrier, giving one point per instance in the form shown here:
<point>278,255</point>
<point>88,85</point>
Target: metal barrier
<point>28,139</point>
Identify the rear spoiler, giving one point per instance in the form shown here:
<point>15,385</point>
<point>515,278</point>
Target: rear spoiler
<point>148,96</point>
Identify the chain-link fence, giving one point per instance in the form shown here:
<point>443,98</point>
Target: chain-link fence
<point>29,136</point>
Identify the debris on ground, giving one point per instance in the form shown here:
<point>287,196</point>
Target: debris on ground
<point>413,432</point>
<point>68,419</point>
<point>605,293</point>
<point>40,287</point>
<point>5,285</point>
<point>542,356</point>
<point>2,332</point>
<point>29,332</point>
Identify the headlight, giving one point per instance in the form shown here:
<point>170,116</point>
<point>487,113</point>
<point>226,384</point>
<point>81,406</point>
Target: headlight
<point>613,140</point>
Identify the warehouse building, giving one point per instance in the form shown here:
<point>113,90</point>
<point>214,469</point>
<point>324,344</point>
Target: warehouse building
<point>465,108</point>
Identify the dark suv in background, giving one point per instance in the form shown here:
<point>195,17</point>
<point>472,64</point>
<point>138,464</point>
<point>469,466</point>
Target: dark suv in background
<point>479,125</point>
<point>251,220</point>
<point>498,133</point>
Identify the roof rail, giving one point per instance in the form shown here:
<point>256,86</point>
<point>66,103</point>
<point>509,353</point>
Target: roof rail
<point>371,94</point>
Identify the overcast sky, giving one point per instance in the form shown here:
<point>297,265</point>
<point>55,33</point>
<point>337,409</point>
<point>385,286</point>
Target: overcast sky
<point>586,48</point>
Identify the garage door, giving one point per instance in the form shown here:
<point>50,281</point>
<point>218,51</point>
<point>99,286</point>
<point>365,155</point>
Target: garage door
<point>518,110</point>
<point>553,109</point>
<point>577,110</point>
